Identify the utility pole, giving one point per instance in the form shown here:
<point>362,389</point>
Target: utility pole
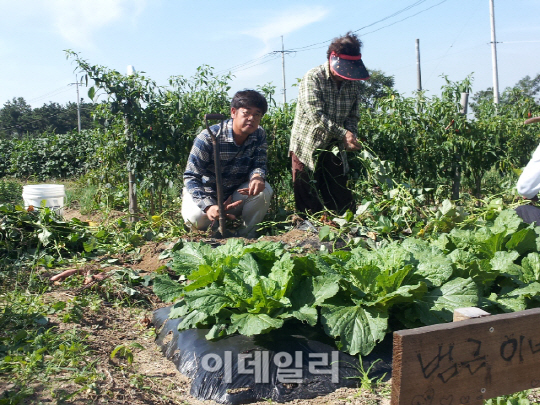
<point>283,69</point>
<point>78,104</point>
<point>418,73</point>
<point>494,54</point>
<point>464,103</point>
<point>283,52</point>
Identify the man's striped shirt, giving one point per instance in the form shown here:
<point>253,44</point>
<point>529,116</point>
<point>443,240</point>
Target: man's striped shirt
<point>238,163</point>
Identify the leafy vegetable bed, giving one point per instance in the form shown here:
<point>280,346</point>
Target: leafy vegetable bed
<point>359,295</point>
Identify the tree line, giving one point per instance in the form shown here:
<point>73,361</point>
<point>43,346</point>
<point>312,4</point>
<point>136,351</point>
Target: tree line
<point>423,141</point>
<point>18,118</point>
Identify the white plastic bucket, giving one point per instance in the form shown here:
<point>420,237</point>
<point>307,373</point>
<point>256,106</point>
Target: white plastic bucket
<point>53,194</point>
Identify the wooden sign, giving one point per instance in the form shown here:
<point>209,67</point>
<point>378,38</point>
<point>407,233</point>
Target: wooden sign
<point>467,362</point>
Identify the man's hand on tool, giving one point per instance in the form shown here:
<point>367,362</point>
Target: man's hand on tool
<point>351,143</point>
<point>256,185</point>
<point>213,210</point>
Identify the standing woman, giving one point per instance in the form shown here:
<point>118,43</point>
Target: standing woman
<point>325,127</point>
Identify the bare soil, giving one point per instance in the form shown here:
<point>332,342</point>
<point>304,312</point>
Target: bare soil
<point>97,217</point>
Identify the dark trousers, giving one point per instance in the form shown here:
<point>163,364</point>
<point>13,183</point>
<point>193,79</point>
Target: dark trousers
<point>529,214</point>
<point>324,188</point>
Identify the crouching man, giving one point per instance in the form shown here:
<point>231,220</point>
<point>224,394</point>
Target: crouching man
<point>243,156</point>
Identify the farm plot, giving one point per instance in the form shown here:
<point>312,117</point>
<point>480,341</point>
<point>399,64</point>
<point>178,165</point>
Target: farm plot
<point>90,341</point>
<point>111,355</point>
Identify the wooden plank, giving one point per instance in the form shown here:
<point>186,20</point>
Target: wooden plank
<point>467,362</point>
<point>462,314</point>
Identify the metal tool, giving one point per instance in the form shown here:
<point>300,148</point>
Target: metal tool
<point>217,167</point>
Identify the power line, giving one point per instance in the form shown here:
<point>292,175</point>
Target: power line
<point>311,47</point>
<point>51,93</point>
<point>406,18</point>
<point>274,56</point>
<point>270,56</point>
<point>514,42</point>
<point>244,64</point>
<point>378,29</point>
<point>393,15</point>
<point>455,40</point>
<point>399,67</point>
<point>417,3</point>
<point>55,92</point>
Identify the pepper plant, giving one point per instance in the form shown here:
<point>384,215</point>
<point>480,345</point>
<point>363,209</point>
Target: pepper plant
<point>161,123</point>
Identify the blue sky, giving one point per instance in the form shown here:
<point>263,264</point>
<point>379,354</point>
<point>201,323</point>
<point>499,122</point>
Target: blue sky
<point>172,37</point>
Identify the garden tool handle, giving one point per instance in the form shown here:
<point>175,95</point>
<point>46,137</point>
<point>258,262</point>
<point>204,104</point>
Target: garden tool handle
<point>209,117</point>
<point>217,169</point>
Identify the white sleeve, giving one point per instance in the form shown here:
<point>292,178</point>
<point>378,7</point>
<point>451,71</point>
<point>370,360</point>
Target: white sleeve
<point>528,184</point>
